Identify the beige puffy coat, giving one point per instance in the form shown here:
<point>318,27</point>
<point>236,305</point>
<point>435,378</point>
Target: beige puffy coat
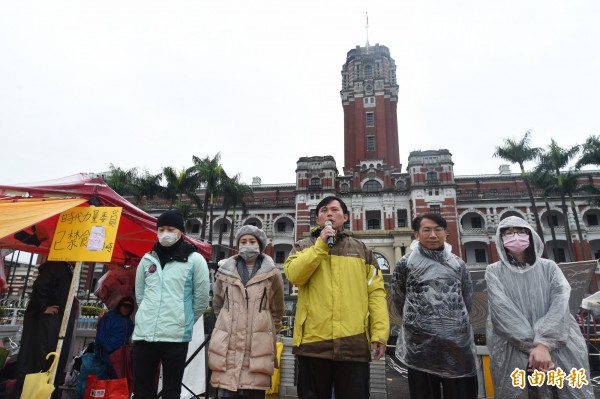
<point>241,353</point>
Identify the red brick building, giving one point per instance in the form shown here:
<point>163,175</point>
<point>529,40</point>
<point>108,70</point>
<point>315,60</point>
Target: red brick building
<point>383,199</point>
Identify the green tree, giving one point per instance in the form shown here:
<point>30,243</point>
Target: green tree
<point>590,152</point>
<point>546,183</point>
<point>177,184</point>
<point>520,152</point>
<point>120,180</point>
<point>207,173</point>
<point>234,193</point>
<point>145,187</point>
<point>552,161</point>
<point>590,155</point>
<point>570,183</point>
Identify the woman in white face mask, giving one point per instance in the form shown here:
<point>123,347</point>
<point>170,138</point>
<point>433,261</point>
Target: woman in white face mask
<point>530,329</point>
<point>248,302</point>
<point>171,290</point>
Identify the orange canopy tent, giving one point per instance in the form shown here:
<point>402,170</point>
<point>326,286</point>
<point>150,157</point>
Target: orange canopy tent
<point>29,214</point>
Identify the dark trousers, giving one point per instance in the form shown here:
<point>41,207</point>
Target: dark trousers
<point>242,394</point>
<point>423,385</point>
<point>317,377</point>
<point>146,358</point>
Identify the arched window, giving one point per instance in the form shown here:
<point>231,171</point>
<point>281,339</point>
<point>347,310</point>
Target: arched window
<point>372,186</point>
<point>344,187</point>
<point>315,182</point>
<point>382,262</point>
<point>400,185</point>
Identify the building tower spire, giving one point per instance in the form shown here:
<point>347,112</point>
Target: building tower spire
<point>367,28</point>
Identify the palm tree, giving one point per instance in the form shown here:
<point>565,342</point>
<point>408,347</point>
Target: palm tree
<point>590,155</point>
<point>520,152</point>
<point>207,172</point>
<point>177,184</point>
<point>120,180</point>
<point>552,161</point>
<point>571,186</point>
<point>590,152</point>
<point>146,186</point>
<point>234,194</point>
<point>546,183</point>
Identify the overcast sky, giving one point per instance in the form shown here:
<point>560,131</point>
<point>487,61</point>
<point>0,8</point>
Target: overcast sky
<point>148,84</point>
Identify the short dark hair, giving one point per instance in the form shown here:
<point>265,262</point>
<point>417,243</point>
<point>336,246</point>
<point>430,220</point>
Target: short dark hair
<point>416,223</point>
<point>327,200</point>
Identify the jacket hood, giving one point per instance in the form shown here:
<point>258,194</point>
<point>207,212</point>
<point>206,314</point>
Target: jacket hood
<point>126,299</point>
<point>514,221</point>
<point>228,266</point>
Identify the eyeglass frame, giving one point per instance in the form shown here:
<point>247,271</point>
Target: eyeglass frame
<point>523,232</point>
<point>436,230</point>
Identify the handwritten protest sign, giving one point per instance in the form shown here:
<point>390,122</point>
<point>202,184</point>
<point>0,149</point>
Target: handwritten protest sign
<point>86,234</point>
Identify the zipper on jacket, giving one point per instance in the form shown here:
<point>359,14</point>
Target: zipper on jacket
<point>247,299</point>
<point>262,299</point>
<point>227,297</point>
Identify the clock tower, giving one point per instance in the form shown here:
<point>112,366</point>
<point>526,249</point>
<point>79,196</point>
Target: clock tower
<point>369,98</point>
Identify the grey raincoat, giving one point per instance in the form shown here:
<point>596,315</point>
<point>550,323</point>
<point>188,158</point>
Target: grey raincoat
<point>432,292</point>
<point>529,305</point>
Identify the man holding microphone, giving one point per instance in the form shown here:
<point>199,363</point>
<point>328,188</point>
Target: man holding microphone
<point>341,315</point>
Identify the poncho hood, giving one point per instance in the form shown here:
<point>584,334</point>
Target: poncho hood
<point>514,221</point>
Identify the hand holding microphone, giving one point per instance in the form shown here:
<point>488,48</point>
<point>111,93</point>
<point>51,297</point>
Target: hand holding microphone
<point>330,239</point>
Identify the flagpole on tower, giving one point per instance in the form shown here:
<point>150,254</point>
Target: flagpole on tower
<point>367,28</point>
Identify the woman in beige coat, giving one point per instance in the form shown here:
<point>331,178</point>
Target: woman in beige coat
<point>248,302</point>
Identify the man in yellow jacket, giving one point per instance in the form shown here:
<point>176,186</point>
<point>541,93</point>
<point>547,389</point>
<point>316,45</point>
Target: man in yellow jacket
<point>341,315</point>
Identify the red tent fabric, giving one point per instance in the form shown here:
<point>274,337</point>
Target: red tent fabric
<point>137,229</point>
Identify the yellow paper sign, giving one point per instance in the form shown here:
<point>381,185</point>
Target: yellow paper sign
<point>86,234</point>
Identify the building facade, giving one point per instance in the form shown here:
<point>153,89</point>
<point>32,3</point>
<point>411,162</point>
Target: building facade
<point>383,199</point>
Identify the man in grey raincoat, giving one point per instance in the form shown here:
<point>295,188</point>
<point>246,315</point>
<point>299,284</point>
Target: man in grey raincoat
<point>433,293</point>
<point>529,324</point>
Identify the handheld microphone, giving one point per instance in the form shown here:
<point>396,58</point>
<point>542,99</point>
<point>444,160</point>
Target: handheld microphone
<point>329,239</point>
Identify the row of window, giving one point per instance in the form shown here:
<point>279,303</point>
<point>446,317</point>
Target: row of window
<point>555,221</point>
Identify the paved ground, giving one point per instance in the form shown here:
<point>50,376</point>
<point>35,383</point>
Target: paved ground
<point>397,384</point>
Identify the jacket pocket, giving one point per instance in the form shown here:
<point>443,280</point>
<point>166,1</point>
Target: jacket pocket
<point>262,353</point>
<point>217,351</point>
<point>299,326</point>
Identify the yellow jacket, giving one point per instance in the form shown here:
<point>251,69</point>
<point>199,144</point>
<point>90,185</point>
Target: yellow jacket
<point>342,304</point>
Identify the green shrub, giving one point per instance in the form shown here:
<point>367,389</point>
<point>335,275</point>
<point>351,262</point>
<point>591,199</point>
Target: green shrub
<point>92,311</point>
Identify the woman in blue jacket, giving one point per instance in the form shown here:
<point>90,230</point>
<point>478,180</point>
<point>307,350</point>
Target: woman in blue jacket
<point>171,290</point>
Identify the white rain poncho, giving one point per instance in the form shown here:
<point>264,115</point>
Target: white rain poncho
<point>529,305</point>
<point>433,294</point>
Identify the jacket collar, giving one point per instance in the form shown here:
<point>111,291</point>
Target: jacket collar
<point>229,267</point>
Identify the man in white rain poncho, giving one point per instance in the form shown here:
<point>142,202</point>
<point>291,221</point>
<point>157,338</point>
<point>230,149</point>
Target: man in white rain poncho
<point>433,293</point>
<point>529,323</point>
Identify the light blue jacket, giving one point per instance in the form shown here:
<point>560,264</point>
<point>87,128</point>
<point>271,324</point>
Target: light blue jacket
<point>170,299</point>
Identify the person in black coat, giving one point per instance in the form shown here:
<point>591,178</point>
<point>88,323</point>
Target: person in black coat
<point>42,321</point>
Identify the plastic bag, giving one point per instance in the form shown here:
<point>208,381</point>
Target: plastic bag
<point>115,284</point>
<point>107,389</point>
<point>277,373</point>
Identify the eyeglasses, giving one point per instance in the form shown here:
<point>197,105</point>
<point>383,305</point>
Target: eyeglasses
<point>511,232</point>
<point>428,230</point>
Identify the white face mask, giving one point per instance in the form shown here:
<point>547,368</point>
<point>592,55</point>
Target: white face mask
<point>166,238</point>
<point>249,251</point>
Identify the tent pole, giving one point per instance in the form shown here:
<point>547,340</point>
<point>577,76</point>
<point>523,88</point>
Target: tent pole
<point>27,277</point>
<point>11,271</point>
<point>67,314</point>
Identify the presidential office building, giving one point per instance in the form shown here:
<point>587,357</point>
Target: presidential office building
<point>383,198</point>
